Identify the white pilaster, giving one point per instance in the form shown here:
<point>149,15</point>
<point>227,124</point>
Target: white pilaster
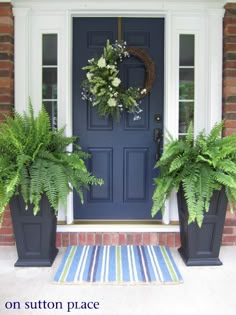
<point>215,46</point>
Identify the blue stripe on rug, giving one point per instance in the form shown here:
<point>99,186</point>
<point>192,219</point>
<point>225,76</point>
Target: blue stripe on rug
<point>118,265</point>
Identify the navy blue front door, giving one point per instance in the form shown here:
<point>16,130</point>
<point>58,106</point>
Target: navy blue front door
<point>122,153</point>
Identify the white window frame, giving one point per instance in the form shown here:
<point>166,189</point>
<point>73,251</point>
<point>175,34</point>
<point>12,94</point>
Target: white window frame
<point>205,23</point>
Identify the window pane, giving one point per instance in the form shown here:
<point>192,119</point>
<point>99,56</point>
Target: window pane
<point>49,83</point>
<point>186,114</point>
<point>51,108</point>
<point>50,49</point>
<point>186,84</point>
<point>186,52</point>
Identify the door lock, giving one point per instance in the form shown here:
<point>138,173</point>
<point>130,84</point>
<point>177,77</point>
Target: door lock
<point>157,117</point>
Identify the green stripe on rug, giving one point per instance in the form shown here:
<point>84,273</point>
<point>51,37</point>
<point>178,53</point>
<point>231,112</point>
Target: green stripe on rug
<point>68,264</point>
<point>169,264</point>
<point>118,263</point>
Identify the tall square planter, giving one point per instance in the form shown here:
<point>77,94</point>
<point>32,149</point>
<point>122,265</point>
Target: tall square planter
<point>201,246</point>
<point>35,235</point>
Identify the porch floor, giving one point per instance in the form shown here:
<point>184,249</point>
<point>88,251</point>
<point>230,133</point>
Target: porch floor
<point>206,290</point>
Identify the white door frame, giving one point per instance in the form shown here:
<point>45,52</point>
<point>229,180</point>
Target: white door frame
<point>205,23</point>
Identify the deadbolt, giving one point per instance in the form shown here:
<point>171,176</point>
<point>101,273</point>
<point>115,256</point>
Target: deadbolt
<point>157,117</point>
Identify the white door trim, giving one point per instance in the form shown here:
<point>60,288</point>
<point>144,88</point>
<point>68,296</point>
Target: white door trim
<point>206,24</point>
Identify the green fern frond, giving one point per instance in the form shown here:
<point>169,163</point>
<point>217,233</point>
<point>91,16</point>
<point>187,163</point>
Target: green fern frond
<point>201,166</point>
<point>34,161</point>
<point>215,132</point>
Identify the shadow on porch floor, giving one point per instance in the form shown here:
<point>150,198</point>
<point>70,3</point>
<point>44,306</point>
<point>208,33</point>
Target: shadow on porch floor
<point>206,290</point>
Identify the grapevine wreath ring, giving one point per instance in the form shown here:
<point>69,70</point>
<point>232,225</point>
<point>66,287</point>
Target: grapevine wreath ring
<point>149,67</point>
<point>103,88</point>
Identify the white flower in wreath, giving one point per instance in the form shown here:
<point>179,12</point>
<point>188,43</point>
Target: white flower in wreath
<point>111,102</point>
<point>116,82</point>
<point>89,76</point>
<point>102,62</point>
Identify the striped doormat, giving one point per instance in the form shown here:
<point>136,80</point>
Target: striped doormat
<point>118,265</point>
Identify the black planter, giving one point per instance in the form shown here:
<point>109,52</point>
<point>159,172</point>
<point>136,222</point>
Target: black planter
<point>201,246</point>
<point>35,235</point>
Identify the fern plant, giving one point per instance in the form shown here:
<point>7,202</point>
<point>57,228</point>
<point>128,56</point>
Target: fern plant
<point>34,160</point>
<point>201,166</point>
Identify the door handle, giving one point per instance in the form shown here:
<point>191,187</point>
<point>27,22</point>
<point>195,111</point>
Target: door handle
<point>157,139</point>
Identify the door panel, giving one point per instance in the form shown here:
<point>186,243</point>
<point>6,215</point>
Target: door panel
<point>122,153</point>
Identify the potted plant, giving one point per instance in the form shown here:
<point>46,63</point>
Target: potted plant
<point>36,175</point>
<point>203,172</point>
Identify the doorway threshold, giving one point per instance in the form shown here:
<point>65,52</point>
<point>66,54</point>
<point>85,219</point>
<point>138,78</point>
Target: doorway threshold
<point>118,226</point>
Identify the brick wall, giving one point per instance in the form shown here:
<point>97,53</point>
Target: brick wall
<point>66,239</point>
<point>6,92</point>
<point>229,113</point>
<point>229,99</point>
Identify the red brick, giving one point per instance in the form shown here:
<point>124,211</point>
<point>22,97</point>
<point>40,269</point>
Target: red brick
<point>7,221</point>
<point>6,90</point>
<point>228,132</point>
<point>230,215</point>
<point>6,20</point>
<point>5,11</point>
<point>230,20</point>
<point>154,239</point>
<point>230,47</point>
<point>59,239</point>
<point>138,239</point>
<point>7,213</point>
<point>230,30</point>
<point>6,82</point>
<point>82,238</point>
<point>98,239</point>
<point>229,239</point>
<point>107,239</point>
<point>230,5</point>
<point>6,230</point>
<point>6,47</point>
<point>73,238</point>
<point>5,98</point>
<point>162,239</point>
<point>177,240</point>
<point>6,64</point>
<point>229,73</point>
<point>230,124</point>
<point>228,230</point>
<point>7,239</point>
<point>170,239</point>
<point>230,222</point>
<point>229,90</point>
<point>146,239</point>
<point>122,239</point>
<point>229,108</point>
<point>229,82</point>
<point>130,239</point>
<point>114,238</point>
<point>6,29</point>
<point>90,238</point>
<point>229,64</point>
<point>65,239</point>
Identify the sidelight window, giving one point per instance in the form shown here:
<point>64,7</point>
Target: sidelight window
<point>186,82</point>
<point>49,76</point>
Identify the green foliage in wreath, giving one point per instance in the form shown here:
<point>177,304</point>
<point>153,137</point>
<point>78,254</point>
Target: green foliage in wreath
<point>102,86</point>
<point>34,160</point>
<point>201,166</point>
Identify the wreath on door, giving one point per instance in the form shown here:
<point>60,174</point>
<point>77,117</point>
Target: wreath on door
<point>103,87</point>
